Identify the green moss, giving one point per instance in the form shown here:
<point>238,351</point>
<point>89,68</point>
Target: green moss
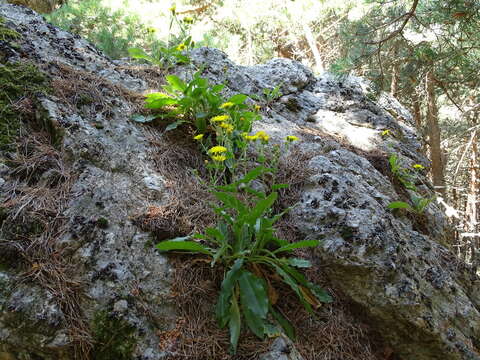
<point>102,223</point>
<point>19,80</point>
<point>114,337</point>
<point>6,33</point>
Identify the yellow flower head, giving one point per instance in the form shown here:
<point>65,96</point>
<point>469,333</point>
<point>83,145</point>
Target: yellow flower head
<point>181,47</point>
<point>418,166</point>
<point>217,150</point>
<point>228,127</point>
<point>257,107</point>
<point>226,105</point>
<point>386,133</point>
<point>262,135</point>
<point>219,157</point>
<point>291,138</point>
<point>188,20</point>
<point>249,137</point>
<point>173,8</point>
<point>219,118</point>
<point>198,137</point>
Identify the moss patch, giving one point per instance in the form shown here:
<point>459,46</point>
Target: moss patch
<point>6,33</point>
<point>114,337</point>
<point>18,83</point>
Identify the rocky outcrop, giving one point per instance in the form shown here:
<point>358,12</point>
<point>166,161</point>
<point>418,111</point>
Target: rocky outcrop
<point>395,270</point>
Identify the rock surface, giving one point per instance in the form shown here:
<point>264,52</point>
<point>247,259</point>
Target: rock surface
<point>396,273</point>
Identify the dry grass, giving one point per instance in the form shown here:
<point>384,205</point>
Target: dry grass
<point>187,209</point>
<point>153,75</point>
<point>33,223</point>
<point>80,89</point>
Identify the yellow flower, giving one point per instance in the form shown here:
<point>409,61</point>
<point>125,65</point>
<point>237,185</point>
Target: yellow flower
<point>219,118</point>
<point>198,137</point>
<point>257,107</point>
<point>181,47</point>
<point>188,20</point>
<point>249,137</point>
<point>291,138</point>
<point>418,166</point>
<point>228,128</point>
<point>173,8</point>
<point>217,150</point>
<point>262,135</point>
<point>219,157</point>
<point>386,133</point>
<point>226,105</point>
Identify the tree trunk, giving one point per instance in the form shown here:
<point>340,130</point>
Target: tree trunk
<point>395,73</point>
<point>472,208</point>
<point>433,131</point>
<point>319,67</point>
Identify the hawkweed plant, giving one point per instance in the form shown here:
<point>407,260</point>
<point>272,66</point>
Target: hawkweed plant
<point>244,243</point>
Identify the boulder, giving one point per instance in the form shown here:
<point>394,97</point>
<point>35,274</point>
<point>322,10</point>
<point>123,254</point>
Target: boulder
<point>76,267</point>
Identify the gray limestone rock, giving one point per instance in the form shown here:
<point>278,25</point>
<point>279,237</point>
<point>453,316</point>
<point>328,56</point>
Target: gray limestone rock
<point>395,271</point>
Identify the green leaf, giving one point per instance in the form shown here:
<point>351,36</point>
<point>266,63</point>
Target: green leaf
<point>218,88</point>
<point>143,119</point>
<point>226,292</point>
<point>231,202</point>
<point>176,83</point>
<point>253,174</point>
<point>234,324</point>
<point>321,294</point>
<point>253,294</point>
<point>138,53</point>
<point>284,323</point>
<point>399,205</point>
<point>298,245</point>
<point>290,281</point>
<point>174,125</point>
<point>300,263</point>
<point>227,188</point>
<point>191,246</point>
<point>256,324</point>
<point>238,99</point>
<point>159,100</point>
<point>280,186</point>
<point>215,233</point>
<point>261,207</point>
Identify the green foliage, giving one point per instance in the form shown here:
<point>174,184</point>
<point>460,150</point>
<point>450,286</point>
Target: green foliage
<point>419,204</point>
<point>113,32</point>
<point>244,242</point>
<point>407,178</point>
<point>166,56</point>
<point>194,102</point>
<point>172,52</point>
<point>270,95</point>
<point>401,173</point>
